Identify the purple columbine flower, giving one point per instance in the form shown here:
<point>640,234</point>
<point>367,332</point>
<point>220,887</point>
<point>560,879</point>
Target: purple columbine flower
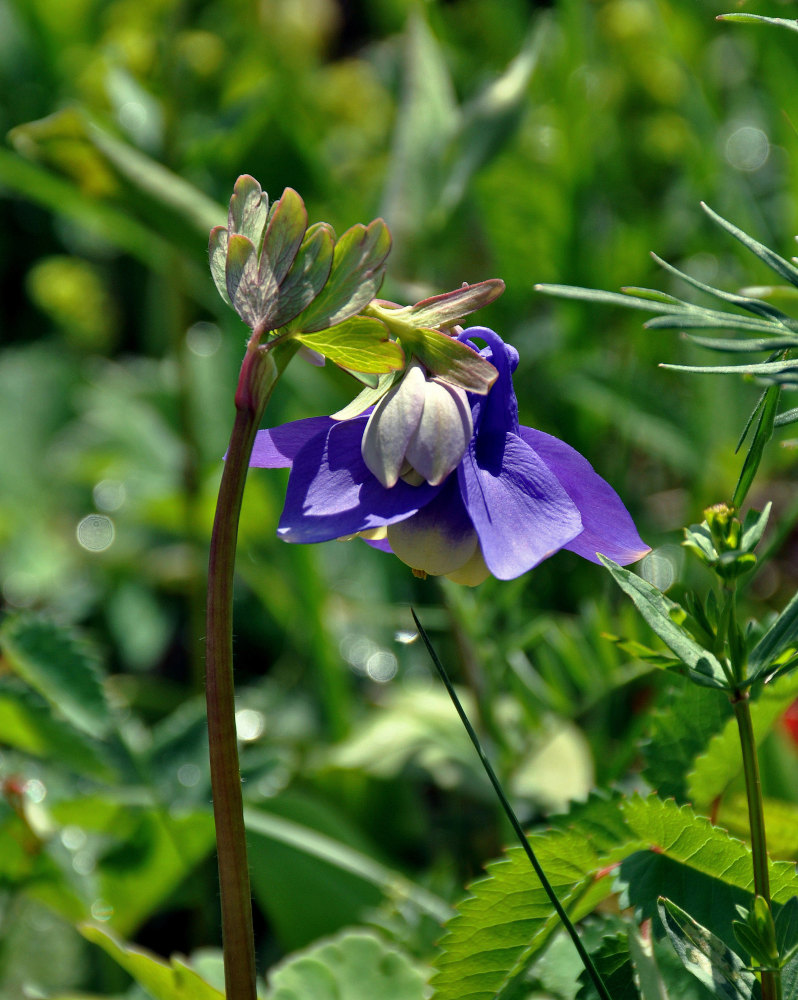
<point>448,481</point>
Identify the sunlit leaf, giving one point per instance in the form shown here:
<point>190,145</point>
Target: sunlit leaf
<point>355,965</point>
<point>722,760</point>
<point>450,307</point>
<point>782,22</point>
<point>361,343</point>
<point>659,611</point>
<point>357,271</point>
<point>762,434</point>
<point>614,963</point>
<point>449,359</point>
<point>248,211</point>
<point>288,221</point>
<point>304,281</point>
<point>62,668</point>
<point>773,260</point>
<point>172,981</point>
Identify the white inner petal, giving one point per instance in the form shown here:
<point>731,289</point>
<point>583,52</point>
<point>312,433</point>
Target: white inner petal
<point>442,434</point>
<point>391,426</point>
<point>431,545</point>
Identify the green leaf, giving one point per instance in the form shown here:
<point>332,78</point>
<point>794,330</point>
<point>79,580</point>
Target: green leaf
<point>248,211</point>
<point>506,920</point>
<point>680,729</point>
<point>706,956</point>
<point>722,761</point>
<point>489,120</point>
<point>307,276</point>
<point>754,527</point>
<point>449,359</point>
<point>782,22</point>
<point>357,271</point>
<point>781,634</point>
<point>333,851</point>
<point>450,307</point>
<point>28,723</point>
<point>241,277</point>
<point>762,434</point>
<point>62,668</point>
<point>369,396</point>
<point>659,611</point>
<point>742,346</point>
<point>173,981</point>
<point>787,926</point>
<point>217,252</point>
<point>426,121</point>
<point>758,368</point>
<point>781,266</point>
<point>147,854</point>
<point>755,306</point>
<point>614,963</point>
<point>361,343</point>
<point>288,222</point>
<point>355,965</point>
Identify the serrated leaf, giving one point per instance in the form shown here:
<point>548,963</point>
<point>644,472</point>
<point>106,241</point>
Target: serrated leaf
<point>506,920</point>
<point>147,852</point>
<point>787,926</point>
<point>449,359</point>
<point>680,729</point>
<point>722,761</point>
<point>357,271</point>
<point>706,956</point>
<point>657,610</point>
<point>288,222</point>
<point>248,211</point>
<point>782,633</point>
<point>174,981</point>
<point>305,280</point>
<point>28,723</point>
<point>355,965</point>
<point>360,343</point>
<point>614,964</point>
<point>62,668</point>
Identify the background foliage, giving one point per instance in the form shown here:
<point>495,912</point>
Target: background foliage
<point>497,140</point>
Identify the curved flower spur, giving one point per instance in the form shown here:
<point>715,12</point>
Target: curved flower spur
<point>446,479</point>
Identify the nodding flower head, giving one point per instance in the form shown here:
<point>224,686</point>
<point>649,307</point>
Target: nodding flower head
<point>419,431</point>
<point>449,481</point>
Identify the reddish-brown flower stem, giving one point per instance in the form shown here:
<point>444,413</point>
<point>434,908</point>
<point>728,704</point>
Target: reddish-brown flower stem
<point>259,373</point>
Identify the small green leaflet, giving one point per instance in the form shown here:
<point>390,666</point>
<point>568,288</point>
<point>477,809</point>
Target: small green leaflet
<point>706,956</point>
<point>360,343</point>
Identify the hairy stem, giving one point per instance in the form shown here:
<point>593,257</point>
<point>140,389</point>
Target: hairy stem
<point>771,980</point>
<point>259,373</point>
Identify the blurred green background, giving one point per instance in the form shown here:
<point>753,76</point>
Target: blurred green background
<point>531,142</point>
